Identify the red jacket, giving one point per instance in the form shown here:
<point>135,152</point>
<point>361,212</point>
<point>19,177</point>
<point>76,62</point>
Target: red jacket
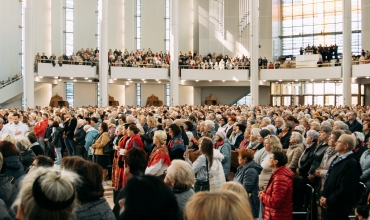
<point>40,128</point>
<point>138,142</point>
<point>278,196</point>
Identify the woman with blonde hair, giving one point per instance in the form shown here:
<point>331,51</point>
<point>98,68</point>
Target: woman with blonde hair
<point>159,159</point>
<point>47,194</point>
<point>217,206</point>
<point>237,188</point>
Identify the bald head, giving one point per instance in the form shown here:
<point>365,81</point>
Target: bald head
<point>345,144</point>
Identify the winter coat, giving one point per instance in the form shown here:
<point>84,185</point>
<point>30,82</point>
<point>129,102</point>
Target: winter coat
<point>100,143</point>
<point>365,166</point>
<point>284,140</point>
<point>216,174</point>
<point>57,137</point>
<point>306,160</point>
<point>97,210</point>
<point>225,150</point>
<point>317,155</point>
<point>8,192</point>
<point>182,197</point>
<point>247,175</point>
<point>40,128</point>
<point>90,135</point>
<point>293,153</point>
<point>324,167</point>
<point>13,167</point>
<point>27,158</point>
<point>80,134</point>
<point>354,126</point>
<point>278,196</point>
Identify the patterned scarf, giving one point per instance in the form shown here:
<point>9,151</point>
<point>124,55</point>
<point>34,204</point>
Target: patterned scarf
<point>218,144</point>
<point>330,151</point>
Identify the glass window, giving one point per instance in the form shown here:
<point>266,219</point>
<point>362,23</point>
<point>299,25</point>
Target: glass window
<point>354,88</point>
<point>167,22</point>
<point>354,100</point>
<point>308,88</point>
<point>308,100</point>
<point>276,100</point>
<point>138,24</point>
<point>318,88</point>
<point>319,100</point>
<point>168,101</point>
<point>329,100</point>
<point>339,100</point>
<point>287,89</point>
<point>138,94</point>
<point>69,15</point>
<point>287,100</point>
<point>329,88</point>
<point>70,94</point>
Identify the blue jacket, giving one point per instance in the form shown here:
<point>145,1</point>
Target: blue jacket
<point>90,134</point>
<point>365,166</point>
<point>247,175</point>
<point>225,150</point>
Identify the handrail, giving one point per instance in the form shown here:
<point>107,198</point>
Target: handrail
<point>12,81</point>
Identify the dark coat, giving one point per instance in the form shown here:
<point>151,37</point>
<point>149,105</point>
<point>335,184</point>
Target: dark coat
<point>70,129</point>
<point>80,136</point>
<point>306,161</point>
<point>57,138</point>
<point>247,175</point>
<point>37,149</point>
<point>279,195</point>
<point>8,192</point>
<point>318,155</point>
<point>13,167</point>
<point>27,158</point>
<point>340,187</point>
<point>354,126</point>
<point>285,140</point>
<point>237,141</point>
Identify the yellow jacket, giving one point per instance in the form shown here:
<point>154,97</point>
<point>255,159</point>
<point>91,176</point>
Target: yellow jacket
<point>100,143</point>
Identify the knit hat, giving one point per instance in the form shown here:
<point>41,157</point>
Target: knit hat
<point>221,134</point>
<point>265,132</point>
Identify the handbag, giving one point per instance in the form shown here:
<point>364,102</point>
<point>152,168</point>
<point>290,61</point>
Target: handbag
<point>203,186</point>
<point>108,148</point>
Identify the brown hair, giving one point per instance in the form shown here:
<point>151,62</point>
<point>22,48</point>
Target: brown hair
<point>246,154</point>
<point>206,147</point>
<point>8,149</point>
<point>134,128</point>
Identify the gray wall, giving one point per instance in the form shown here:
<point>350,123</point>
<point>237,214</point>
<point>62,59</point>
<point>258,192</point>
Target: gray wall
<point>224,94</point>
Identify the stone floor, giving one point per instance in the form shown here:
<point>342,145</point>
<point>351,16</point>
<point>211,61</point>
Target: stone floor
<point>108,193</point>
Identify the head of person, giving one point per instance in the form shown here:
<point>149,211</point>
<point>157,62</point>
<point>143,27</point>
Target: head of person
<point>23,144</point>
<point>152,121</point>
<point>277,159</point>
<point>8,149</point>
<point>220,135</point>
<point>159,138</point>
<point>32,137</point>
<point>16,118</point>
<point>180,175</point>
<point>325,133</point>
<point>80,122</point>
<point>352,115</point>
<point>132,130</point>
<point>217,205</point>
<point>296,138</point>
<point>135,162</point>
<point>1,123</point>
<point>90,189</point>
<point>206,148</point>
<point>238,188</point>
<point>287,127</point>
<point>174,130</point>
<point>334,136</point>
<point>279,121</point>
<point>231,120</point>
<point>240,128</point>
<point>103,127</point>
<point>340,125</point>
<point>147,197</point>
<point>188,126</point>
<point>312,136</point>
<point>254,134</point>
<point>345,143</point>
<point>41,161</point>
<point>262,134</point>
<point>272,143</point>
<point>360,137</point>
<point>47,194</point>
<point>245,156</point>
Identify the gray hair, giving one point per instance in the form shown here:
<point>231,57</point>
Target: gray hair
<point>81,122</point>
<point>271,128</point>
<point>325,123</point>
<point>209,124</point>
<point>23,144</point>
<point>86,127</point>
<point>266,119</point>
<point>359,136</point>
<point>341,125</point>
<point>313,134</point>
<point>298,137</point>
<point>255,132</point>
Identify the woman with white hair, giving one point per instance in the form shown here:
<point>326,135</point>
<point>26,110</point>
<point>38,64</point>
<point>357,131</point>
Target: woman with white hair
<point>295,150</point>
<point>79,138</point>
<point>26,154</point>
<point>47,194</point>
<point>307,158</point>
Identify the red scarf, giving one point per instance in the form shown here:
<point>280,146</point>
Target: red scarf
<point>243,144</point>
<point>137,140</point>
<point>157,154</point>
<point>218,144</point>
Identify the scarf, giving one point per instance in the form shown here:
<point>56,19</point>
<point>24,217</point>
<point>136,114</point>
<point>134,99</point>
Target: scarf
<point>330,151</point>
<point>157,154</point>
<point>175,141</point>
<point>218,144</point>
<point>243,144</point>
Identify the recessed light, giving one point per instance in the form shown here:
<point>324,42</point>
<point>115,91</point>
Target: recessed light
<point>55,77</point>
<point>86,78</point>
<point>296,80</point>
<point>71,77</point>
<point>59,80</point>
<point>159,81</point>
<point>311,80</point>
<point>328,79</point>
<point>264,80</point>
<point>114,79</point>
<point>143,79</point>
<point>196,80</point>
<point>74,80</point>
<point>367,77</point>
<point>89,80</point>
<point>223,80</point>
<point>210,80</point>
<point>280,80</point>
<point>41,77</point>
<point>129,79</point>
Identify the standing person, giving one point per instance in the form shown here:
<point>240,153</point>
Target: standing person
<point>247,174</point>
<point>176,144</point>
<point>48,138</point>
<point>17,127</point>
<point>40,129</point>
<point>69,134</point>
<point>277,199</point>
<point>306,160</point>
<point>365,165</point>
<point>343,176</point>
<point>89,138</point>
<point>98,155</point>
<point>79,138</point>
<point>56,141</point>
<point>223,145</point>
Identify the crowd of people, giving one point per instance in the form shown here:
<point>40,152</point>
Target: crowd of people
<point>9,80</point>
<point>192,162</point>
<point>327,52</point>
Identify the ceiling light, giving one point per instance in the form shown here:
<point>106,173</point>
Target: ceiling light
<point>277,82</point>
<point>86,78</point>
<point>196,80</point>
<point>354,78</point>
<point>114,79</point>
<point>328,79</point>
<point>41,77</point>
<point>71,77</point>
<point>55,77</point>
<point>89,80</point>
<point>296,80</point>
<point>280,80</point>
<point>74,80</point>
<point>159,81</point>
<point>210,80</point>
<point>367,77</point>
<point>143,79</point>
<point>129,79</point>
<point>59,80</point>
<point>223,80</point>
<point>311,80</point>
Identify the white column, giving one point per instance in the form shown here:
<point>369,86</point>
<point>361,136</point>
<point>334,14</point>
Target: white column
<point>253,47</point>
<point>103,55</point>
<point>57,28</point>
<point>347,54</point>
<point>28,78</point>
<point>174,51</point>
<point>365,27</point>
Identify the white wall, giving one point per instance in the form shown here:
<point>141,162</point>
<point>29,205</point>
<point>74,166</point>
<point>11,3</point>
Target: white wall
<point>16,104</point>
<point>264,95</point>
<point>301,74</point>
<point>10,38</point>
<point>117,92</point>
<point>59,89</point>
<point>153,25</point>
<point>130,94</point>
<point>42,27</point>
<point>43,95</point>
<point>85,94</point>
<point>186,24</point>
<point>186,95</point>
<point>197,96</point>
<point>365,7</point>
<point>148,90</point>
<point>121,24</point>
<point>139,73</point>
<point>57,27</point>
<point>46,69</point>
<point>265,29</point>
<point>226,94</point>
<point>84,28</point>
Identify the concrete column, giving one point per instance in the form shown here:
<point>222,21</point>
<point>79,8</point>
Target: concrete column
<point>103,55</point>
<point>28,78</point>
<point>253,47</point>
<point>58,21</point>
<point>174,51</point>
<point>347,54</point>
<point>365,28</point>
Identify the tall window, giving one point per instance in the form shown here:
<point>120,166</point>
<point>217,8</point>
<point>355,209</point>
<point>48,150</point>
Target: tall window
<point>70,93</point>
<point>138,94</point>
<point>98,19</point>
<point>22,39</point>
<point>167,20</point>
<point>69,27</point>
<point>168,100</point>
<point>245,100</point>
<point>138,24</point>
<point>98,93</point>
<point>317,22</point>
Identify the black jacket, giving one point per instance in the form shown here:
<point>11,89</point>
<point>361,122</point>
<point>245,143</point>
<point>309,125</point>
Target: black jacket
<point>285,140</point>
<point>306,160</point>
<point>48,132</point>
<point>80,136</point>
<point>317,155</point>
<point>341,186</point>
<point>354,126</point>
<point>57,138</point>
<point>70,129</point>
<point>237,141</point>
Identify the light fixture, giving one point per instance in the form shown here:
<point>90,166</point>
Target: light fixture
<point>159,81</point>
<point>280,80</point>
<point>354,78</point>
<point>196,80</point>
<point>129,79</point>
<point>74,80</point>
<point>59,80</point>
<point>328,79</point>
<point>264,80</point>
<point>86,78</point>
<point>277,82</point>
<point>41,77</point>
<point>210,80</point>
<point>114,79</point>
<point>223,81</point>
<point>311,80</point>
<point>90,80</point>
<point>296,80</point>
<point>71,77</point>
<point>143,79</point>
<point>367,77</point>
<point>55,77</point>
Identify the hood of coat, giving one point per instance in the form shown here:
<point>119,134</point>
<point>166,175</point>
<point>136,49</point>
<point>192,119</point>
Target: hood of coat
<point>217,155</point>
<point>91,129</point>
<point>284,170</point>
<point>253,165</point>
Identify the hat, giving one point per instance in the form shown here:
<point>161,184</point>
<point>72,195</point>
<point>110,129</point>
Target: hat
<point>265,132</point>
<point>221,134</point>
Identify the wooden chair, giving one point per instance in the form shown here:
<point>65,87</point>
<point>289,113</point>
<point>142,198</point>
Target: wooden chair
<point>234,159</point>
